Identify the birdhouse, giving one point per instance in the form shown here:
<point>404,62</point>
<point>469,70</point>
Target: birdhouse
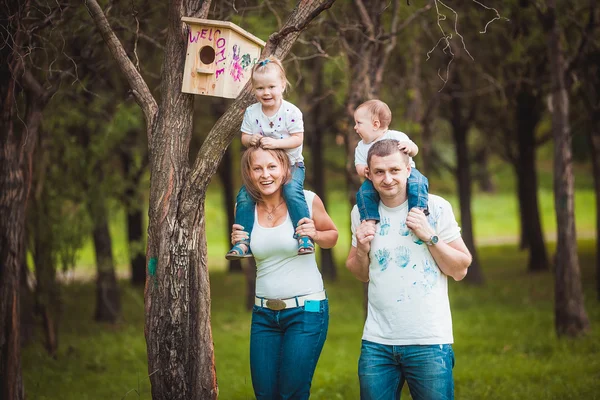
<point>220,57</point>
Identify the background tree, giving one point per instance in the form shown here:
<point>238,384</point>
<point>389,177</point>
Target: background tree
<point>570,316</point>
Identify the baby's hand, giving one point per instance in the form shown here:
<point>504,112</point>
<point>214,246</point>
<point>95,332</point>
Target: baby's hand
<point>255,140</point>
<point>404,147</point>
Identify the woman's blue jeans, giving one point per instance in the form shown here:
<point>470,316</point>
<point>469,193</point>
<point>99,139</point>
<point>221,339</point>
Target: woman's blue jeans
<point>383,369</point>
<point>284,349</point>
<point>367,198</point>
<point>293,192</point>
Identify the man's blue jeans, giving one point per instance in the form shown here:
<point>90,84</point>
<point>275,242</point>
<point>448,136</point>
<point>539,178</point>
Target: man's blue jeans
<point>367,198</point>
<point>284,349</point>
<point>383,369</point>
<point>293,192</point>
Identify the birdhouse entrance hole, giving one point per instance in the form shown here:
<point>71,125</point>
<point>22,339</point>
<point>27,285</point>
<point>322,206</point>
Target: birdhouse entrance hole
<point>207,55</point>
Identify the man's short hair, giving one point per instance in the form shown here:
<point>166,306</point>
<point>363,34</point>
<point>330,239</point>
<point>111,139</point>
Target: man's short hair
<point>384,148</point>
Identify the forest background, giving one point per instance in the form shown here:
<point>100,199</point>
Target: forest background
<point>499,96</point>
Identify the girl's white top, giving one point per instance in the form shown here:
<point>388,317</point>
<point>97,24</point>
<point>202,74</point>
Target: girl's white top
<point>280,272</point>
<point>287,120</point>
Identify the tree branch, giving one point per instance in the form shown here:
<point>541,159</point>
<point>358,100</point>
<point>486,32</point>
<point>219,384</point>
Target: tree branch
<point>585,38</point>
<point>365,18</point>
<point>140,89</point>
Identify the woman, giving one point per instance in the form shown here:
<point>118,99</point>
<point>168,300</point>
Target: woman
<point>291,312</point>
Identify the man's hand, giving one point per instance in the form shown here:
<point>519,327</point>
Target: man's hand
<point>365,233</point>
<point>417,222</point>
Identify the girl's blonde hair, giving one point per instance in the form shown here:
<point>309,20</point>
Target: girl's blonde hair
<point>269,64</point>
<point>280,156</point>
<point>379,111</point>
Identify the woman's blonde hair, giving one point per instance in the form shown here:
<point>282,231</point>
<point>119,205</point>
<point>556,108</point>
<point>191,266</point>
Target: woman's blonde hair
<point>280,156</point>
<point>269,64</point>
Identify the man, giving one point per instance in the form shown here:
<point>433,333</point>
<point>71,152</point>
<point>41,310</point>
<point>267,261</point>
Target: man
<point>406,259</point>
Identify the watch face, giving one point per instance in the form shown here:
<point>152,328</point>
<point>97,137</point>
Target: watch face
<point>434,239</point>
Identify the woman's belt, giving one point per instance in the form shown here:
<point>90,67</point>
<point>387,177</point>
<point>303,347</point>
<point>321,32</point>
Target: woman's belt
<point>292,302</point>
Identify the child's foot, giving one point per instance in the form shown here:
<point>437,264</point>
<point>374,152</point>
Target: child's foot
<point>238,251</point>
<point>305,245</point>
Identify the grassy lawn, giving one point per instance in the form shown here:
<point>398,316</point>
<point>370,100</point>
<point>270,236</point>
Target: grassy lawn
<point>505,346</point>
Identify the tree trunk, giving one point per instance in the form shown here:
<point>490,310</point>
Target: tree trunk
<point>526,118</point>
<point>570,314</point>
<point>135,238</point>
<point>319,122</point>
<point>482,176</point>
<point>135,218</point>
<point>595,146</point>
<point>108,300</point>
<point>47,292</point>
<point>12,234</point>
<point>16,149</point>
<point>226,171</point>
<point>27,304</point>
<point>13,198</point>
<point>178,333</point>
<point>460,127</point>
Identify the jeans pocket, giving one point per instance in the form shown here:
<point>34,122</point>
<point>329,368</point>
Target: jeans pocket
<point>314,319</point>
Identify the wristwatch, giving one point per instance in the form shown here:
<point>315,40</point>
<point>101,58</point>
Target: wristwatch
<point>432,240</point>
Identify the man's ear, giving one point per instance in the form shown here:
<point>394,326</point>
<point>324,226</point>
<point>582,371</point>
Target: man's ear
<point>367,175</point>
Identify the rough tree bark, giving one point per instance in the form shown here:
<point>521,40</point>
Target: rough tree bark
<point>178,332</point>
<point>527,116</point>
<point>570,316</point>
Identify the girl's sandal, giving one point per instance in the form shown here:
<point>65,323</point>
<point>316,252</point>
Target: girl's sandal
<point>238,252</point>
<point>305,245</point>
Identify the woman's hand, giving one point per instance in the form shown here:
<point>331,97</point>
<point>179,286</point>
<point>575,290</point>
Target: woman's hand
<point>306,227</point>
<point>238,234</point>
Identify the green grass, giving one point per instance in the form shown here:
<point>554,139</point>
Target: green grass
<point>505,343</point>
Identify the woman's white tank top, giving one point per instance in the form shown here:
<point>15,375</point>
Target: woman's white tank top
<point>281,273</point>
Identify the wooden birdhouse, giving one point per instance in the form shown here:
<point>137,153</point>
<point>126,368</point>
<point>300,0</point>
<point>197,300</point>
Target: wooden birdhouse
<point>220,57</point>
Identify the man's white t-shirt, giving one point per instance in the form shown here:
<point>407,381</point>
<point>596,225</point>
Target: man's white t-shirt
<point>362,149</point>
<point>287,120</point>
<point>408,293</point>
<point>280,272</point>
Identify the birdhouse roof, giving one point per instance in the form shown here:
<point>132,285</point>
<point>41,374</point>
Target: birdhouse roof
<point>224,24</point>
